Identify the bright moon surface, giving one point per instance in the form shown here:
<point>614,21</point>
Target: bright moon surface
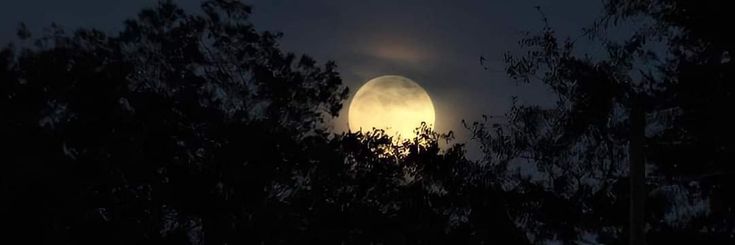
<point>393,103</point>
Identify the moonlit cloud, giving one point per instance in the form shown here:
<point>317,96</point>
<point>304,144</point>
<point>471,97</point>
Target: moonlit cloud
<point>393,49</point>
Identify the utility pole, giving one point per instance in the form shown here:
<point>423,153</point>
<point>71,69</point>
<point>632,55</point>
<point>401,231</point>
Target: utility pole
<point>637,173</point>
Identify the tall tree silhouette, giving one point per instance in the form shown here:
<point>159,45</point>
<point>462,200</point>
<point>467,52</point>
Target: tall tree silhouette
<point>672,74</point>
<point>177,124</point>
<point>197,129</point>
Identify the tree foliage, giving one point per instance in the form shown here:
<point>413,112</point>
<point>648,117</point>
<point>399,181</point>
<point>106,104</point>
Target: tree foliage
<point>197,129</point>
<point>678,67</point>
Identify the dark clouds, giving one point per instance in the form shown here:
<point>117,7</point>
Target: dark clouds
<point>434,42</point>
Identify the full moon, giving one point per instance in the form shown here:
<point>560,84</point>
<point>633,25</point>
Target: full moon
<point>395,104</point>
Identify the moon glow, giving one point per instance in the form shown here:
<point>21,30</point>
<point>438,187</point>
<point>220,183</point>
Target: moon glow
<point>395,104</point>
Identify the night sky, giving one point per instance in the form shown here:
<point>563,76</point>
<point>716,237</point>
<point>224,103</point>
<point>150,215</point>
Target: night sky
<point>434,42</point>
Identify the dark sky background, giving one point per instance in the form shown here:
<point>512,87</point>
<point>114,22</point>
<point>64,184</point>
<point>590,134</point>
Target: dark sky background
<point>434,42</point>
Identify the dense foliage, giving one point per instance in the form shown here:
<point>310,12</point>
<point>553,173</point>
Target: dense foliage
<point>672,64</point>
<point>197,129</point>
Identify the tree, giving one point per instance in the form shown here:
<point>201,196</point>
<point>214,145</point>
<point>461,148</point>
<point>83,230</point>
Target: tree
<point>173,128</point>
<point>197,129</point>
<point>410,192</point>
<point>579,145</point>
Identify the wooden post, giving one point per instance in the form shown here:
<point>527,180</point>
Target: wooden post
<point>637,173</point>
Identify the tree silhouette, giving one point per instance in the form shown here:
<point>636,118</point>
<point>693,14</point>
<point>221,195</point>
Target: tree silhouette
<point>176,124</point>
<point>197,129</point>
<point>673,74</point>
